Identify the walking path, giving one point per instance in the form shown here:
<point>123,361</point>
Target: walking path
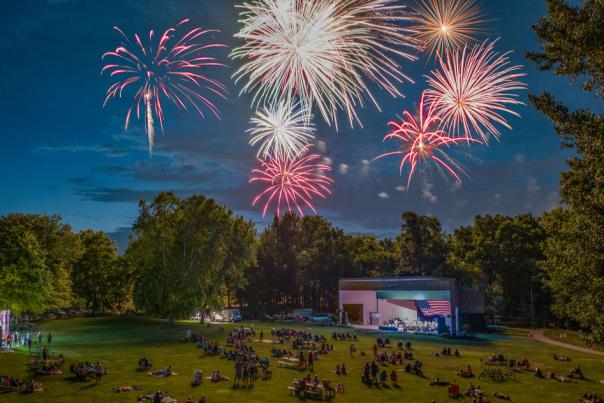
<point>539,336</point>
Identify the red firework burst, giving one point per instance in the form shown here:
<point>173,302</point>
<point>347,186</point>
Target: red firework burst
<point>422,140</point>
<point>171,68</point>
<point>291,183</point>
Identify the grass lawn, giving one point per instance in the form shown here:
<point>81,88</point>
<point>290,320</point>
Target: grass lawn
<point>118,342</point>
<point>571,338</point>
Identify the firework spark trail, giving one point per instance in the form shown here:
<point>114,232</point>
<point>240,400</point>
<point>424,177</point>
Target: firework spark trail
<point>421,140</point>
<point>472,90</point>
<point>171,68</point>
<point>291,183</point>
<point>446,25</point>
<point>282,130</point>
<point>322,52</point>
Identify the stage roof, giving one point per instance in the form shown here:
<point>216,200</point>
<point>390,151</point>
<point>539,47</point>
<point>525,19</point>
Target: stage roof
<point>411,283</point>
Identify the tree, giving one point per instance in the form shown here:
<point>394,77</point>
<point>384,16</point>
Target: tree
<point>24,279</point>
<point>570,38</point>
<point>100,278</point>
<point>60,247</point>
<point>571,41</point>
<point>500,255</point>
<point>188,254</point>
<point>422,245</point>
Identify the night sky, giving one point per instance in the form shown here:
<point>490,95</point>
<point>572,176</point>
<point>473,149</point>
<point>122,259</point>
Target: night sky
<point>62,153</point>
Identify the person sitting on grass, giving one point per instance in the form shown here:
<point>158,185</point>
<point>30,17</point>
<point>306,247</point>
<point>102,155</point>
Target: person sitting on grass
<point>144,363</point>
<point>466,372</point>
<point>343,370</point>
<point>501,395</point>
<point>560,358</point>
<point>457,353</point>
<point>393,377</point>
<point>537,373</point>
<point>591,398</point>
<point>217,377</point>
<point>33,387</point>
<point>576,373</point>
<point>197,378</point>
<point>438,382</point>
<point>340,388</point>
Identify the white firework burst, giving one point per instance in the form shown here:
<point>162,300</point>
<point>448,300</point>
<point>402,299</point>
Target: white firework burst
<point>283,129</point>
<point>323,52</point>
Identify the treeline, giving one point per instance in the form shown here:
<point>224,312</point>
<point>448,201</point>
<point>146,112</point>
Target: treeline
<point>45,265</point>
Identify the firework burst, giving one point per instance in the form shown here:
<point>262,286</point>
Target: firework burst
<point>168,68</point>
<point>422,141</point>
<point>282,130</point>
<point>474,88</point>
<point>446,25</point>
<point>291,183</point>
<point>322,52</point>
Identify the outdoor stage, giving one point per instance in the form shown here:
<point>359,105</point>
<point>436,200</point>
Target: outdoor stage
<point>423,305</point>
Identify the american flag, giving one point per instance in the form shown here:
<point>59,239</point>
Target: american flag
<point>434,308</point>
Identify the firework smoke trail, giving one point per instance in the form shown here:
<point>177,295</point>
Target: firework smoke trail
<point>446,25</point>
<point>291,183</point>
<point>473,89</point>
<point>322,52</point>
<point>171,68</point>
<point>282,130</point>
<point>149,123</point>
<point>421,140</point>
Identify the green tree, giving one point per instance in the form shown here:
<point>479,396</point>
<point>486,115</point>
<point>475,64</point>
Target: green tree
<point>500,255</point>
<point>24,279</point>
<point>101,279</point>
<point>572,46</point>
<point>422,245</point>
<point>188,254</point>
<point>60,247</point>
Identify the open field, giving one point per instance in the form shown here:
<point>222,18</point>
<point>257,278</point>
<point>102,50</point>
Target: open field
<point>118,342</point>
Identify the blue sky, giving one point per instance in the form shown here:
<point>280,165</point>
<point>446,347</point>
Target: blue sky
<point>61,152</point>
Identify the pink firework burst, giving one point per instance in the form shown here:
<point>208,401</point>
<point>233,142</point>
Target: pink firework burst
<point>291,183</point>
<point>423,141</point>
<point>473,89</point>
<point>170,68</point>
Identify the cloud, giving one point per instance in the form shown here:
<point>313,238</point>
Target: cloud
<point>520,158</point>
<point>109,150</point>
<point>427,193</point>
<point>327,161</point>
<point>114,195</point>
<point>343,169</point>
<point>321,146</point>
<point>400,188</point>
<point>383,195</point>
<point>365,167</point>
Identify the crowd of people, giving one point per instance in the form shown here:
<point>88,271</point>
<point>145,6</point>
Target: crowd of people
<point>306,347</point>
<point>413,326</point>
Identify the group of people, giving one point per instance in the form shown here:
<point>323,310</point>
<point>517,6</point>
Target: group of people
<point>373,376</point>
<point>82,371</point>
<point>315,386</point>
<point>26,339</point>
<point>413,326</point>
<point>446,352</point>
<point>344,336</point>
<point>144,363</point>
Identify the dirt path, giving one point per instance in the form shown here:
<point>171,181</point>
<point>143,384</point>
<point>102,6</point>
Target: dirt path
<point>539,336</point>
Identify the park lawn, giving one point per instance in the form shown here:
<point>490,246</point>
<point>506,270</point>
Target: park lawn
<point>573,338</point>
<point>118,342</point>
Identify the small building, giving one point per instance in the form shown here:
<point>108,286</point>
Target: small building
<point>412,304</point>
